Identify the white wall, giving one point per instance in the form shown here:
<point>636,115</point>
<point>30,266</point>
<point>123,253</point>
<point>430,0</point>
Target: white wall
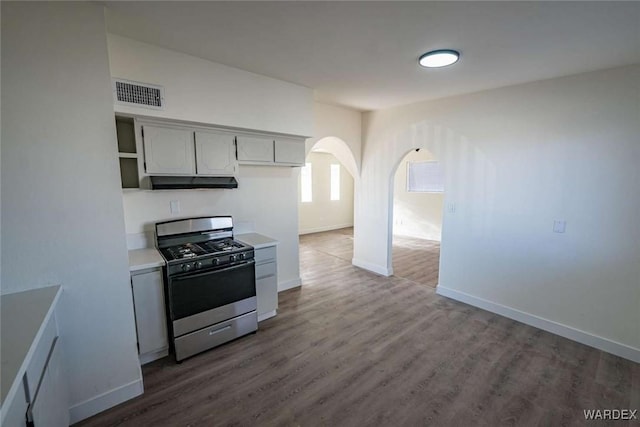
<point>416,214</point>
<point>62,217</point>
<point>322,213</point>
<point>203,91</point>
<point>338,130</point>
<point>266,198</point>
<point>519,158</point>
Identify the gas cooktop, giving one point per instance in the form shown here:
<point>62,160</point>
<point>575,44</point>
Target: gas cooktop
<point>210,247</point>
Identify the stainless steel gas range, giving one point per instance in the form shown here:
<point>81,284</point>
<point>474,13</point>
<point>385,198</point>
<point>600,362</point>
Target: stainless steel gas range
<point>210,283</point>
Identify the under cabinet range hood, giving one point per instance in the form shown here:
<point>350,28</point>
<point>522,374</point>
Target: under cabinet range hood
<point>187,182</point>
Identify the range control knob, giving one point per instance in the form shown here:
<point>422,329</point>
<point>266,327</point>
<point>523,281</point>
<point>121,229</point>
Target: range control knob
<point>185,267</point>
<point>241,256</point>
<point>197,265</point>
<point>232,258</point>
<point>215,261</point>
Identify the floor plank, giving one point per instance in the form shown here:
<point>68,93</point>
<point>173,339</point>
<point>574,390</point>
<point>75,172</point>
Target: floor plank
<point>351,348</point>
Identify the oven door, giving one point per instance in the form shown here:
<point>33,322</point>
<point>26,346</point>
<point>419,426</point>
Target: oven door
<point>198,300</point>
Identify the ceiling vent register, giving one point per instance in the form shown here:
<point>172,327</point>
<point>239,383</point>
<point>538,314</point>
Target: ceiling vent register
<point>138,94</point>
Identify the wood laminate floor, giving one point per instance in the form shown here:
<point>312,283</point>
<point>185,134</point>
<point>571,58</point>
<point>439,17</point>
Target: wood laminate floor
<point>351,348</point>
<point>413,259</point>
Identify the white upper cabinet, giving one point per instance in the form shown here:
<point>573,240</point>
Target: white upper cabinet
<point>255,149</point>
<point>168,151</point>
<point>215,154</point>
<point>289,151</point>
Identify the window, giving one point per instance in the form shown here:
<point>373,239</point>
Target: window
<point>305,183</point>
<point>335,182</point>
<point>425,177</point>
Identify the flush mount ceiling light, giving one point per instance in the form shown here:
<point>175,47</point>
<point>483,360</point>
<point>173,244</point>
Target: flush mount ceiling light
<point>439,58</point>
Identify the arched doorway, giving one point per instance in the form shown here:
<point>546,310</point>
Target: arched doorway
<point>417,194</point>
<point>327,187</point>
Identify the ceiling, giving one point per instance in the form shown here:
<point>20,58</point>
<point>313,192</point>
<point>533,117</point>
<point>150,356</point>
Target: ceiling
<point>364,54</point>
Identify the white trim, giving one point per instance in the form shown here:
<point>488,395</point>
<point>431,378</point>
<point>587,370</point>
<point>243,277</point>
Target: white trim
<point>104,401</point>
<point>374,268</point>
<point>565,331</point>
<point>267,315</point>
<point>325,228</point>
<point>289,284</point>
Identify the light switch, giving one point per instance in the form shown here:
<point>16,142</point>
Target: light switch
<point>452,207</point>
<point>174,206</point>
<point>559,226</point>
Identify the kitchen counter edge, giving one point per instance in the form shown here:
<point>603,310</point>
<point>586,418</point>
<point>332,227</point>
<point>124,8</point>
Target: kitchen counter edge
<point>258,241</point>
<point>142,259</point>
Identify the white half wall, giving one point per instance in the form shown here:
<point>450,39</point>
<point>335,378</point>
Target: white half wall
<point>322,213</point>
<point>416,214</point>
<point>517,159</point>
<point>202,91</point>
<point>266,199</point>
<point>62,219</point>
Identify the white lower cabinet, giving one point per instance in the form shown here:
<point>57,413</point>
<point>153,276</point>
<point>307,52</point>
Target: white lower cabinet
<point>151,326</point>
<point>36,391</point>
<point>266,282</point>
<point>49,406</point>
<point>16,411</point>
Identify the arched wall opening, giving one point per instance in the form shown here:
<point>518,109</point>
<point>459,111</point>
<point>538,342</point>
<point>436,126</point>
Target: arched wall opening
<point>417,194</point>
<point>327,186</point>
<point>469,177</point>
<point>340,149</point>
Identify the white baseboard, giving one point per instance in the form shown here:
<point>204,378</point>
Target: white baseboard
<point>289,284</point>
<point>573,334</point>
<point>374,268</point>
<point>105,401</point>
<point>267,315</point>
<point>324,228</point>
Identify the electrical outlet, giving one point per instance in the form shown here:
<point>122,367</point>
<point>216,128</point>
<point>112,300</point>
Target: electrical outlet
<point>559,226</point>
<point>174,206</point>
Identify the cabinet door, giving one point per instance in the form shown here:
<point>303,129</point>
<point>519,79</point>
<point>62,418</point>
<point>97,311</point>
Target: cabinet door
<point>266,287</point>
<point>148,301</point>
<point>168,151</point>
<point>289,151</point>
<point>15,412</point>
<point>267,295</point>
<point>215,154</point>
<point>254,149</point>
<point>50,406</point>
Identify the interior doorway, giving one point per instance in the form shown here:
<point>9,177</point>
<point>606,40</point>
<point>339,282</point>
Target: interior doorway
<point>418,200</point>
<point>326,205</point>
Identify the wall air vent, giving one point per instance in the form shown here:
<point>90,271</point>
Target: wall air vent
<point>138,94</point>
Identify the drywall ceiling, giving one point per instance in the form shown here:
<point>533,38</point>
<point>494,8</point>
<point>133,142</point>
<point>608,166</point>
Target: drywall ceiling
<point>364,54</point>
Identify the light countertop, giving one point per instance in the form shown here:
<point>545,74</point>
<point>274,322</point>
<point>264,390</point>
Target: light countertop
<point>141,259</point>
<point>24,315</point>
<point>258,241</point>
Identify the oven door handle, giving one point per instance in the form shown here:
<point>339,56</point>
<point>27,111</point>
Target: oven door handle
<point>207,272</point>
